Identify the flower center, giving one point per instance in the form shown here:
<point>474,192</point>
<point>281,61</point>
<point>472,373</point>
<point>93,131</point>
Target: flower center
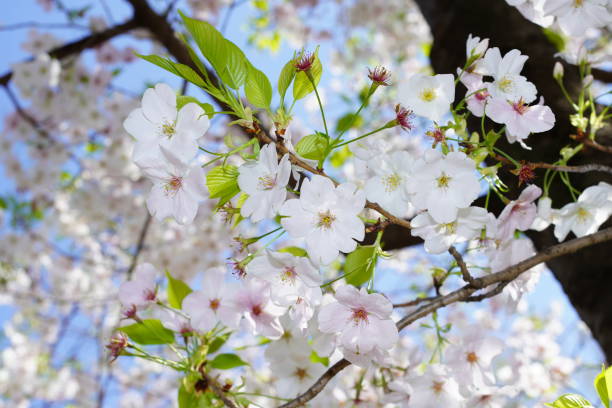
<point>450,228</point>
<point>481,96</point>
<point>471,357</point>
<point>267,182</point>
<point>578,3</point>
<point>288,275</point>
<point>149,295</point>
<point>173,185</point>
<point>582,214</point>
<point>437,386</point>
<point>520,107</point>
<point>359,315</point>
<point>256,310</point>
<point>392,182</point>
<point>300,373</point>
<point>505,84</point>
<point>428,94</point>
<point>214,304</point>
<point>326,219</point>
<point>443,180</point>
<point>168,129</point>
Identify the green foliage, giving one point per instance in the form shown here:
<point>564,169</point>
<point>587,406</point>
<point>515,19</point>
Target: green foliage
<point>175,68</point>
<point>148,331</point>
<point>258,89</point>
<point>348,121</point>
<point>557,39</point>
<point>177,291</point>
<point>210,42</point>
<point>571,401</point>
<point>222,183</point>
<point>285,78</point>
<point>217,343</point>
<point>295,251</point>
<point>184,100</point>
<point>226,361</point>
<point>603,386</point>
<point>236,67</point>
<point>359,265</point>
<point>313,147</point>
<point>315,358</point>
<point>302,85</point>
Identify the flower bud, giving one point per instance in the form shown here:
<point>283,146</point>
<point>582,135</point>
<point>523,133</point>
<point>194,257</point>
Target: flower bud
<point>558,71</point>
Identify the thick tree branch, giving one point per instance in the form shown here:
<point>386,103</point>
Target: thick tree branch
<point>464,294</point>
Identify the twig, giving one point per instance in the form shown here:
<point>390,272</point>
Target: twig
<point>218,391</point>
<point>586,168</point>
<point>141,240</point>
<point>592,143</point>
<point>464,269</point>
<point>414,302</point>
<point>30,24</point>
<point>463,294</point>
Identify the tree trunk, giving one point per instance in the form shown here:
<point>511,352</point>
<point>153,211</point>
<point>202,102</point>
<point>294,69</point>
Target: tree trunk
<point>586,277</point>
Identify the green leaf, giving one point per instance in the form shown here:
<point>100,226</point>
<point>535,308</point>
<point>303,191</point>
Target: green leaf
<point>236,68</point>
<point>285,78</point>
<point>315,358</point>
<point>603,386</point>
<point>222,183</point>
<point>348,121</point>
<point>258,89</point>
<point>210,42</point>
<point>302,85</point>
<point>312,147</point>
<point>217,343</point>
<point>149,331</point>
<point>571,401</point>
<point>295,251</point>
<point>177,290</point>
<point>227,361</point>
<point>187,399</point>
<point>176,68</point>
<point>184,100</point>
<point>359,265</point>
<point>556,38</point>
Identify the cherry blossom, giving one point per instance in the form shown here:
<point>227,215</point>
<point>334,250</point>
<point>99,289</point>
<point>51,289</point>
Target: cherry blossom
<point>252,300</point>
<point>388,186</point>
<point>157,123</point>
<point>436,388</point>
<point>141,290</point>
<point>508,83</point>
<point>428,96</point>
<point>326,216</point>
<point>576,16</point>
<point>264,181</point>
<point>520,119</point>
<point>442,184</point>
<point>362,320</point>
<point>518,214</point>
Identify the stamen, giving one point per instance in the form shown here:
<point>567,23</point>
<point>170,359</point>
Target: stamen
<point>326,219</point>
<point>428,94</point>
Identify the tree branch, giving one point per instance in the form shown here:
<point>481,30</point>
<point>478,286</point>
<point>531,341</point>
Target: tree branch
<point>464,294</point>
<point>140,245</point>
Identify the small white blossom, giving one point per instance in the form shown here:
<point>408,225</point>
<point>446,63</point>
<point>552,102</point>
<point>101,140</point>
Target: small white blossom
<point>428,96</point>
<point>388,186</point>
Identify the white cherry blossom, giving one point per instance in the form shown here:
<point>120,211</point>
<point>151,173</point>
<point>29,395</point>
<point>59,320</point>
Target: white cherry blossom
<point>388,185</point>
<point>428,96</point>
<point>508,83</point>
<point>576,16</point>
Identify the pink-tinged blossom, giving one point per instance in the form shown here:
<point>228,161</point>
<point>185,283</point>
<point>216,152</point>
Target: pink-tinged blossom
<point>212,304</point>
<point>442,184</point>
<point>518,214</point>
<point>158,124</point>
<point>177,188</point>
<point>440,236</point>
<point>174,321</point>
<point>141,290</point>
<point>265,181</point>
<point>252,300</point>
<point>520,119</point>
<point>478,97</point>
<point>362,320</point>
<point>586,215</point>
<point>470,359</point>
<point>428,96</point>
<point>435,388</point>
<point>327,217</point>
<point>508,83</point>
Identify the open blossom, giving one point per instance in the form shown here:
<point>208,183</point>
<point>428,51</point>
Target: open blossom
<point>520,119</point>
<point>141,290</point>
<point>252,300</point>
<point>327,217</point>
<point>212,304</point>
<point>435,388</point>
<point>474,48</point>
<point>388,186</point>
<point>532,10</point>
<point>294,370</point>
<point>518,214</point>
<point>545,215</point>
<point>508,83</point>
<point>362,319</point>
<point>177,188</point>
<point>586,215</point>
<point>264,181</point>
<point>158,123</point>
<point>428,96</point>
<point>576,16</point>
<point>478,98</point>
<point>440,236</point>
<point>442,184</point>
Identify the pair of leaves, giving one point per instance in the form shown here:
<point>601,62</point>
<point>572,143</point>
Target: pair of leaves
<point>222,183</point>
<point>313,147</point>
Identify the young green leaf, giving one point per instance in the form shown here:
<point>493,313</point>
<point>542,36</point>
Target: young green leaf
<point>359,265</point>
<point>217,343</point>
<point>302,85</point>
<point>227,361</point>
<point>258,89</point>
<point>209,40</point>
<point>177,290</point>
<point>312,147</point>
<point>184,100</point>
<point>187,399</point>
<point>149,331</point>
<point>295,251</point>
<point>236,69</point>
<point>285,78</point>
<point>603,386</point>
<point>571,401</point>
<point>176,68</point>
<point>222,183</point>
